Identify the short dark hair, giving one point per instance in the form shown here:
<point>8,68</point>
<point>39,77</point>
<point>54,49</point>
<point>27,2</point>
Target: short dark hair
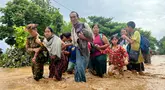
<point>76,13</point>
<point>131,24</point>
<point>61,36</point>
<point>67,35</point>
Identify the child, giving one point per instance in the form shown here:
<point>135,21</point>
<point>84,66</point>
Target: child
<point>70,52</point>
<point>123,42</point>
<point>117,56</point>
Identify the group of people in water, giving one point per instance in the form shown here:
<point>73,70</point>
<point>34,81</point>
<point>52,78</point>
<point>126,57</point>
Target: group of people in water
<point>84,48</point>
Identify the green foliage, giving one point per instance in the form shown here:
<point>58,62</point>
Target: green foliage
<point>99,20</point>
<point>5,32</point>
<point>19,13</point>
<point>107,26</point>
<point>15,58</point>
<point>10,40</point>
<point>67,26</point>
<point>23,12</point>
<point>57,22</point>
<point>83,20</point>
<point>21,35</point>
<point>42,3</point>
<point>161,45</point>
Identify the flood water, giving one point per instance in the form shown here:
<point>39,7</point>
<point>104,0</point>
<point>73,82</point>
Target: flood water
<point>21,79</point>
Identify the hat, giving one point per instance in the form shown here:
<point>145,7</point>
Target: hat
<point>31,27</point>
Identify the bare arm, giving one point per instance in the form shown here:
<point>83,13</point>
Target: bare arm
<point>63,45</point>
<point>70,44</point>
<point>106,43</point>
<point>128,39</point>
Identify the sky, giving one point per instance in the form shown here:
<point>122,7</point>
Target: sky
<point>147,14</point>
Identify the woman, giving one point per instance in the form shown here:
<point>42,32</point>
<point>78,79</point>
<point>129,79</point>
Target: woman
<point>55,46</point>
<point>98,59</point>
<point>118,57</point>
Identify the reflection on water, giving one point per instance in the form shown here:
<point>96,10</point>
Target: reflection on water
<point>21,79</point>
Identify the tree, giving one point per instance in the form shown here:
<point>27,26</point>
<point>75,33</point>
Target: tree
<point>147,34</point>
<point>42,3</point>
<point>67,26</point>
<point>107,26</point>
<point>23,12</point>
<point>161,46</point>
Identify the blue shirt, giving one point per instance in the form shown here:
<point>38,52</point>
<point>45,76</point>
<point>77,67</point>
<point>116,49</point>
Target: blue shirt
<point>72,51</point>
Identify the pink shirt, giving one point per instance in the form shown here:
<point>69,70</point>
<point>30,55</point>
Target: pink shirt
<point>99,42</point>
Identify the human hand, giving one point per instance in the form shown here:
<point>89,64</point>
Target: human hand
<point>97,46</point>
<point>34,60</point>
<point>81,35</point>
<point>124,36</point>
<point>38,40</point>
<point>52,57</point>
<point>126,61</point>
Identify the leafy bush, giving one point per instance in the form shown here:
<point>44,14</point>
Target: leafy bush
<point>20,36</point>
<point>15,58</point>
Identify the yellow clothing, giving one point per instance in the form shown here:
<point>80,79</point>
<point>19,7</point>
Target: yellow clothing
<point>135,46</point>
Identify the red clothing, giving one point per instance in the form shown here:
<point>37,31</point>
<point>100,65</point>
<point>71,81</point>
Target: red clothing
<point>117,55</point>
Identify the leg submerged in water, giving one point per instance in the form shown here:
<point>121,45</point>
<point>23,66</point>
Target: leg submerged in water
<point>37,70</point>
<point>100,65</point>
<point>51,69</point>
<point>80,67</point>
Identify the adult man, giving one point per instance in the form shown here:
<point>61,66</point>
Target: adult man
<point>135,66</point>
<point>81,34</point>
<point>36,50</point>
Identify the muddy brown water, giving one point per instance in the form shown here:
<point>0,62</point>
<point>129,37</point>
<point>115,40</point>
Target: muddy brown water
<point>21,79</point>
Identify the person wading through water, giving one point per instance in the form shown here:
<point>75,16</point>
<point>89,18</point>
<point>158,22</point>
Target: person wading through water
<point>135,54</point>
<point>81,34</point>
<point>98,61</point>
<point>55,45</point>
<point>38,53</point>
